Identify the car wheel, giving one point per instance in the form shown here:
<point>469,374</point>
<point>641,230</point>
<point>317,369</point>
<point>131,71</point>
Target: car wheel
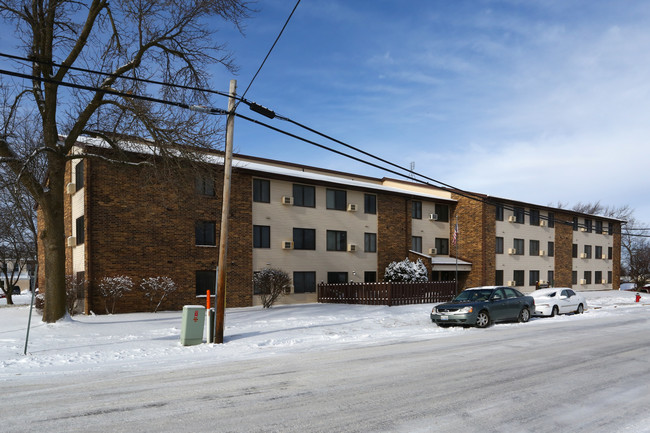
<point>483,319</point>
<point>580,309</point>
<point>554,311</point>
<point>524,315</point>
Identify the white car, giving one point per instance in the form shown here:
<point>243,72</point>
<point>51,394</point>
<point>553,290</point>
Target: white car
<point>558,300</point>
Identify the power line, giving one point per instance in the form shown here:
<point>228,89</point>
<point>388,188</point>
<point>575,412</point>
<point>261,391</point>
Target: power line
<point>269,113</point>
<point>269,53</point>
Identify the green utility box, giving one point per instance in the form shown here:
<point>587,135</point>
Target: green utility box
<point>193,325</point>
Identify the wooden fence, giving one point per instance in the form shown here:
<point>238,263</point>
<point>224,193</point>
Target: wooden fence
<point>387,293</point>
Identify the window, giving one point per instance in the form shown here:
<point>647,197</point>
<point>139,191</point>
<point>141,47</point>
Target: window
<point>551,249</point>
<point>336,199</point>
<point>442,246</point>
<point>337,277</point>
<point>498,278</point>
<point>370,277</point>
<point>518,245</point>
<point>609,277</point>
<point>499,245</point>
<point>205,233</point>
<point>588,251</point>
<point>261,191</point>
<point>534,217</point>
<point>610,253</point>
<point>416,210</point>
<point>370,242</point>
<point>79,175</point>
<point>588,225</point>
<point>79,225</point>
<point>416,243</point>
<point>534,248</point>
<point>519,214</point>
<point>442,210</point>
<point>304,282</point>
<point>304,195</point>
<point>610,228</point>
<point>205,280</point>
<point>370,203</point>
<point>336,240</point>
<point>575,224</point>
<point>574,251</point>
<point>550,277</point>
<point>598,252</point>
<point>204,185</point>
<point>304,239</point>
<point>498,215</point>
<point>518,277</point>
<point>551,220</point>
<point>599,227</point>
<point>533,277</point>
<point>261,237</point>
<point>574,277</point>
<point>598,277</point>
<point>588,277</point>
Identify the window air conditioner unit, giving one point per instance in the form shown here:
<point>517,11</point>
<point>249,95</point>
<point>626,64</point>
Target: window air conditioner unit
<point>542,252</point>
<point>72,241</point>
<point>352,207</point>
<point>512,283</point>
<point>433,217</point>
<point>287,245</point>
<point>512,251</point>
<point>604,256</point>
<point>583,255</point>
<point>583,282</point>
<point>71,188</point>
<point>583,229</point>
<point>543,282</point>
<point>603,281</point>
<point>287,200</point>
<point>352,247</point>
<point>512,219</point>
<point>542,223</point>
<point>433,251</point>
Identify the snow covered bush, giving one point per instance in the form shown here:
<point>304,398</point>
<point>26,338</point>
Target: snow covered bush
<point>73,285</point>
<point>156,289</point>
<point>270,284</point>
<point>113,288</point>
<point>406,272</point>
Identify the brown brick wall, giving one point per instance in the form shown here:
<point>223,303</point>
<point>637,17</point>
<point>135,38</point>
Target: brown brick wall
<point>476,239</point>
<point>563,250</point>
<point>143,228</point>
<point>393,231</point>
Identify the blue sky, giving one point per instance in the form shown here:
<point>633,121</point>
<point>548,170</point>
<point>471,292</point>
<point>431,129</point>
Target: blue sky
<point>541,101</point>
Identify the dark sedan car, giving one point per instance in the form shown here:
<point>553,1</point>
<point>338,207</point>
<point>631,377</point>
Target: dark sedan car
<point>481,306</point>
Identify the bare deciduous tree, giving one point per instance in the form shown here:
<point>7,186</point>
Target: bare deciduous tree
<point>156,289</point>
<point>171,41</point>
<point>271,284</point>
<point>112,289</point>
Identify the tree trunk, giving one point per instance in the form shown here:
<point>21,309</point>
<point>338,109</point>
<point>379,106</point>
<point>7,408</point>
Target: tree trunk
<point>53,241</point>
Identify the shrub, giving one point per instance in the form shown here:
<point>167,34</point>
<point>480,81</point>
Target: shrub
<point>406,272</point>
<point>156,289</point>
<point>271,284</point>
<point>73,285</point>
<point>113,288</point>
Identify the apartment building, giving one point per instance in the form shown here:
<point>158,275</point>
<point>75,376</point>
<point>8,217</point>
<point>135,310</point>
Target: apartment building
<point>318,226</point>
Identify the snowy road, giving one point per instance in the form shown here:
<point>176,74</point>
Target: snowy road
<point>549,375</point>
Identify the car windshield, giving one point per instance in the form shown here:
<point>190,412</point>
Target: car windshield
<point>474,295</point>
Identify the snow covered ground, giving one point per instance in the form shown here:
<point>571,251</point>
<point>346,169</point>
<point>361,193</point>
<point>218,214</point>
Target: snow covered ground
<point>144,341</point>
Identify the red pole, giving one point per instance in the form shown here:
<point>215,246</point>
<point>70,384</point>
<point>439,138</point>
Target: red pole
<point>208,301</point>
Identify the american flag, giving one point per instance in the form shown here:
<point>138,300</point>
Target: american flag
<point>455,235</point>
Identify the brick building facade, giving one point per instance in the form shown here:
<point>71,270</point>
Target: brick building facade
<point>142,221</point>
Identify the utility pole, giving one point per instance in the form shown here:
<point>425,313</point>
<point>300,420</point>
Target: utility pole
<point>225,214</point>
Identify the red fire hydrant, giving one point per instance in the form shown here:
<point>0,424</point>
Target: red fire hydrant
<point>638,297</point>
